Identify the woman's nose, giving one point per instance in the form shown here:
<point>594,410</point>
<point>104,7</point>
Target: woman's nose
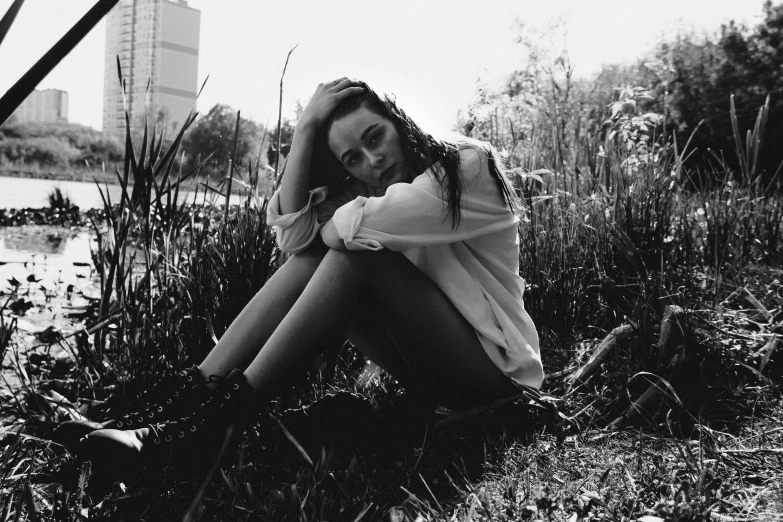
<point>376,160</point>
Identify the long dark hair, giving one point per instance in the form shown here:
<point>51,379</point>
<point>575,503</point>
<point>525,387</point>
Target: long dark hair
<point>421,151</point>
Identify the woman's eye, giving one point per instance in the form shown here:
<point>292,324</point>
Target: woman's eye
<point>352,160</point>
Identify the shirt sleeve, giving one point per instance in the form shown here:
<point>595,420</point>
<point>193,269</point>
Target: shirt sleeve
<point>414,215</point>
<point>295,231</point>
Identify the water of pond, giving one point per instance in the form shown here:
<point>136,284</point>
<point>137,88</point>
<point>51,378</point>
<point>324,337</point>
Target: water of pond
<point>53,271</point>
<point>55,255</point>
<point>34,193</point>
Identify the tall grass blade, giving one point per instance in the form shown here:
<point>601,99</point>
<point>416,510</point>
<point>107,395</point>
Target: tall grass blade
<point>280,113</point>
<point>166,162</point>
<point>32,511</point>
<point>741,154</point>
<point>232,167</point>
<point>290,437</point>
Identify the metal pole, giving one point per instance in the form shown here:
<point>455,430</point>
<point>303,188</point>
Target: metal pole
<point>27,83</point>
<point>8,19</point>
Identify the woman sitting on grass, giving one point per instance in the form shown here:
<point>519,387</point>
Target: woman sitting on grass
<point>407,243</point>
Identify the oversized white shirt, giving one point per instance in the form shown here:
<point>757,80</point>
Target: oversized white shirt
<point>476,264</point>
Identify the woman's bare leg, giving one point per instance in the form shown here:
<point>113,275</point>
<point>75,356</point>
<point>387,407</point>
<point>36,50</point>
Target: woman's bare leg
<point>246,335</point>
<point>370,334</point>
<point>437,345</point>
<point>429,337</point>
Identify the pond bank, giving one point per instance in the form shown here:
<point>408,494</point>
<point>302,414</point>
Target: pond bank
<point>108,177</point>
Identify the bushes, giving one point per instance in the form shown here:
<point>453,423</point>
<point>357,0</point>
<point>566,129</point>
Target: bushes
<point>612,228</point>
<point>48,151</point>
<point>212,136</point>
<point>549,117</point>
<point>51,145</point>
<point>702,73</point>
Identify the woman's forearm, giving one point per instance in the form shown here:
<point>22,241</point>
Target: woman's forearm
<point>294,187</point>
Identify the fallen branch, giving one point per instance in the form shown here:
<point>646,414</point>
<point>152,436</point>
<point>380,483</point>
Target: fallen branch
<point>606,346</point>
<point>753,451</point>
<point>647,401</point>
<point>671,339</point>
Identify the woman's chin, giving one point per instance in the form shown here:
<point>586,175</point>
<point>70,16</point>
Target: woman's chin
<point>398,176</point>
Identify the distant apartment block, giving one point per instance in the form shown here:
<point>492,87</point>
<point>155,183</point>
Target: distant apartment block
<point>46,106</point>
<point>157,42</point>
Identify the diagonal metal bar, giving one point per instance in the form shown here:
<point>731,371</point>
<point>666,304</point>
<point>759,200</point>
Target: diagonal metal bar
<point>22,88</point>
<point>8,19</point>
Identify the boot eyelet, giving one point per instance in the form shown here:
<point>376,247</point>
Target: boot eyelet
<point>181,434</point>
<point>160,409</point>
<point>151,414</point>
<point>190,378</point>
<point>236,386</point>
<point>141,419</point>
<point>192,428</point>
<point>168,401</point>
<point>228,395</point>
<point>168,438</point>
<point>119,424</point>
<point>176,394</point>
<point>157,441</point>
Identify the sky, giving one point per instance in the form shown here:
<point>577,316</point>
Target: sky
<point>429,53</point>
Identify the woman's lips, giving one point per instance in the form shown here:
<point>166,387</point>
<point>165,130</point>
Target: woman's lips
<point>388,173</point>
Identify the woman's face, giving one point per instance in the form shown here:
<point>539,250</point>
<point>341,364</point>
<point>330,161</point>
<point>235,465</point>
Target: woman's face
<point>369,148</point>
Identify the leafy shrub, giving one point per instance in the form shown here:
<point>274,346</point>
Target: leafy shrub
<point>700,74</point>
<point>213,134</point>
<point>49,151</point>
<point>56,145</point>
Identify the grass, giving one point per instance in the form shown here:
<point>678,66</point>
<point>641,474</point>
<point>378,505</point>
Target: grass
<point>616,244</point>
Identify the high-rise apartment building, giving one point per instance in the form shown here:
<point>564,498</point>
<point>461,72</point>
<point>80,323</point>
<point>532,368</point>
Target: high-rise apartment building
<point>46,106</point>
<point>157,42</point>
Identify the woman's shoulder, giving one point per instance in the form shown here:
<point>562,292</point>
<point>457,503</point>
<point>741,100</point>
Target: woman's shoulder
<point>473,156</point>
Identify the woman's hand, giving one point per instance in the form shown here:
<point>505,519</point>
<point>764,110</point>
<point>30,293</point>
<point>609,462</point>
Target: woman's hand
<point>294,186</point>
<point>324,100</point>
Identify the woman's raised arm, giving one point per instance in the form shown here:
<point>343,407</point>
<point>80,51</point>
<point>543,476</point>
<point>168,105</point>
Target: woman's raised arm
<point>294,187</point>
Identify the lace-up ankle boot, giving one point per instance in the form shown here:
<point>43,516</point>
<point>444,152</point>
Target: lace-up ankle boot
<point>179,442</point>
<point>175,398</point>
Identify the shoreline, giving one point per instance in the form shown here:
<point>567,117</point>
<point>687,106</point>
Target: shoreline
<point>90,176</point>
<point>76,175</point>
<point>74,217</point>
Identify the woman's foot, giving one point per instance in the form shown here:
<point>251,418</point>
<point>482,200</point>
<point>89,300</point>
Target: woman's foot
<point>174,398</point>
<point>173,443</point>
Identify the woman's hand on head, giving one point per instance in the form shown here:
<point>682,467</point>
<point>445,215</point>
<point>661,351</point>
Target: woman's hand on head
<point>324,100</point>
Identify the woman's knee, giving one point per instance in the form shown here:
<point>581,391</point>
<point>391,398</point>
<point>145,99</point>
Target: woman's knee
<point>311,256</point>
<point>362,262</point>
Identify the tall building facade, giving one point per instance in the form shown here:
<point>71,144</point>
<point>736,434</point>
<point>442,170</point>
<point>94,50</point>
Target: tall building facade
<point>46,106</point>
<point>157,42</point>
